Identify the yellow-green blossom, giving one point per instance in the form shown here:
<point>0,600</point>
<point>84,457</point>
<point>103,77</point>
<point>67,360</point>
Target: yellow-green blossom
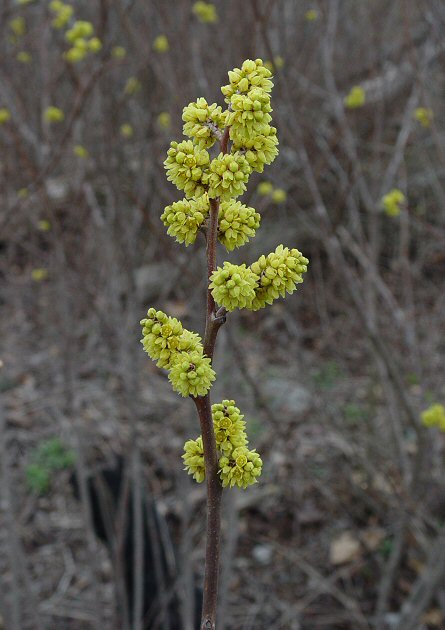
<point>392,202</point>
<point>5,115</point>
<point>80,151</point>
<point>187,168</point>
<point>434,416</point>
<point>241,468</point>
<point>311,15</point>
<point>164,120</point>
<point>80,30</point>
<point>229,174</point>
<point>248,115</point>
<point>355,98</point>
<point>205,12</point>
<point>194,459</point>
<point>126,130</point>
<point>94,45</point>
<point>53,114</point>
<point>233,286</point>
<point>191,374</point>
<point>230,428</point>
<point>164,338</point>
<point>185,218</point>
<point>18,26</point>
<point>279,195</point>
<point>132,86</point>
<point>63,13</point>
<point>236,224</point>
<point>39,274</point>
<point>265,188</point>
<point>424,115</point>
<point>262,149</point>
<point>44,225</point>
<point>118,52</point>
<point>203,122</point>
<point>242,80</point>
<point>75,54</point>
<point>23,56</point>
<point>278,274</point>
<point>161,44</point>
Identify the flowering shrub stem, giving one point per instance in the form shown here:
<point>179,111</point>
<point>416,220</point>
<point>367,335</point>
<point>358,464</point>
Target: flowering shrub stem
<point>247,142</point>
<point>214,494</point>
<point>214,489</point>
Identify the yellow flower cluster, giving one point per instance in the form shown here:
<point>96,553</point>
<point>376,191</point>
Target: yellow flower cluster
<point>161,44</point>
<point>53,114</point>
<point>178,350</point>
<point>62,12</point>
<point>356,97</point>
<point>81,37</point>
<point>238,466</point>
<point>203,122</point>
<point>424,115</point>
<point>434,416</point>
<point>185,218</point>
<point>272,276</point>
<point>5,115</point>
<point>392,202</point>
<point>205,12</point>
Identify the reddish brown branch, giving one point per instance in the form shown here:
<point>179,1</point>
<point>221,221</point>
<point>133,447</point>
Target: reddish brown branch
<point>214,321</point>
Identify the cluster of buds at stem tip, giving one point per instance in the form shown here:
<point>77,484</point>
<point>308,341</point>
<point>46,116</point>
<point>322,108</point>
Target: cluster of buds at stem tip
<point>224,145</point>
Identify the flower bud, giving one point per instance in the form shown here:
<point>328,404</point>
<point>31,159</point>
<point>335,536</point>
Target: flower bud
<point>186,165</point>
<point>194,459</point>
<point>191,374</point>
<point>278,274</point>
<point>233,286</point>
<point>185,218</point>
<point>236,224</point>
<point>241,468</point>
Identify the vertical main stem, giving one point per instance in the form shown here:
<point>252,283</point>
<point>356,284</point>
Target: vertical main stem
<point>214,494</point>
<point>214,488</point>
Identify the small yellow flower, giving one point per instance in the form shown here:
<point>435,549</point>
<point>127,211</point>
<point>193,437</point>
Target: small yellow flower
<point>75,54</point>
<point>23,56</point>
<point>94,44</point>
<point>5,115</point>
<point>161,44</point>
<point>126,130</point>
<point>279,195</point>
<point>264,188</point>
<point>39,274</point>
<point>132,86</point>
<point>311,15</point>
<point>392,201</point>
<point>205,12</point>
<point>118,52</point>
<point>355,98</point>
<point>434,416</point>
<point>53,114</point>
<point>80,151</point>
<point>44,225</point>
<point>18,26</point>
<point>164,120</point>
<point>424,115</point>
